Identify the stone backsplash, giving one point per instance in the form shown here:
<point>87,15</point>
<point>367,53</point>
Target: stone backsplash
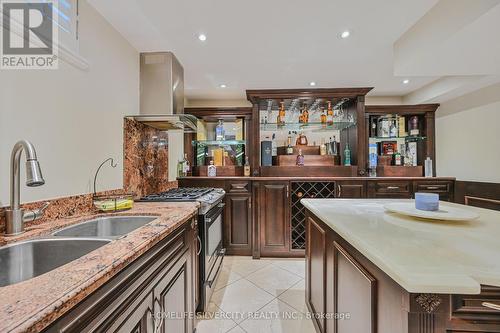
<point>145,171</point>
<point>145,160</point>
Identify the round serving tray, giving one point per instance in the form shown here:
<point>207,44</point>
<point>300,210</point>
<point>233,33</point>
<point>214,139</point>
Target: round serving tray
<point>445,213</point>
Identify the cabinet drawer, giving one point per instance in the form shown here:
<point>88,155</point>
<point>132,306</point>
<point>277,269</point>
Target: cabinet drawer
<point>480,307</point>
<point>239,187</point>
<point>434,187</point>
<point>390,189</point>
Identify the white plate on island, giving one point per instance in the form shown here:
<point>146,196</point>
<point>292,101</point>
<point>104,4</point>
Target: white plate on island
<point>445,213</point>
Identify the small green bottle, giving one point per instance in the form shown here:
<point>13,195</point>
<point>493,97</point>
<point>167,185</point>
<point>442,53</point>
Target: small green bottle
<point>347,155</point>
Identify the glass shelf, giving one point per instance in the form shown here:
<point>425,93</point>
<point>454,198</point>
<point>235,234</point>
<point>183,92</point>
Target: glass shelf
<point>406,138</point>
<point>219,142</point>
<point>337,126</point>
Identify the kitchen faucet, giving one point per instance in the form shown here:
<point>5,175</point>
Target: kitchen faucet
<point>16,216</point>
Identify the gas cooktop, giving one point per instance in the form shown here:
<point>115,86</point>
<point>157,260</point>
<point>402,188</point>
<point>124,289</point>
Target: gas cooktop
<point>206,196</point>
<point>178,194</point>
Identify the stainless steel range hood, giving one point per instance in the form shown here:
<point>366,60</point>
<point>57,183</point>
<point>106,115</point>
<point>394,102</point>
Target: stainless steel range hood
<point>162,93</point>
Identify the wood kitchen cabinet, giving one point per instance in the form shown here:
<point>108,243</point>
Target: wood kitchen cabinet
<point>159,282</point>
<point>238,224</point>
<point>273,218</point>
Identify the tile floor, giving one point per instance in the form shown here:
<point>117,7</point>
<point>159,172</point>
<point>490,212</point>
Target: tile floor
<point>258,296</point>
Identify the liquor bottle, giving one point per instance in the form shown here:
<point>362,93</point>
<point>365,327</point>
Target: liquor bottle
<point>180,169</point>
<point>372,160</point>
<point>219,131</point>
<point>373,131</point>
<point>301,140</point>
<point>289,147</point>
<point>246,168</point>
<point>322,147</point>
<point>212,170</point>
<point>428,167</point>
<point>281,114</point>
<point>347,155</point>
<point>186,167</point>
<point>323,116</point>
<point>414,126</point>
<point>300,159</point>
<point>402,127</point>
<point>274,146</point>
<point>397,159</point>
<point>335,150</point>
<point>305,115</point>
<point>393,130</point>
<point>329,147</point>
<point>329,113</point>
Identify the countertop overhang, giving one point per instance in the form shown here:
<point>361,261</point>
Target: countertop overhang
<point>421,256</point>
<point>31,305</point>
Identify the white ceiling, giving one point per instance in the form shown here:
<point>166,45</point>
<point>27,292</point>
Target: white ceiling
<point>275,43</point>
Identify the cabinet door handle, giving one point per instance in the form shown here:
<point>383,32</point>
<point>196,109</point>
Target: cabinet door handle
<point>339,190</point>
<point>287,191</point>
<point>199,245</point>
<point>157,324</point>
<point>433,187</point>
<point>392,187</point>
<point>492,306</point>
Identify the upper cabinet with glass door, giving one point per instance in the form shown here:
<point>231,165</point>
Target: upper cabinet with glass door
<point>221,139</point>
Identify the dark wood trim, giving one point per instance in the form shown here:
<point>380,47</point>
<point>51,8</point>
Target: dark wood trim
<point>309,171</point>
<point>220,112</point>
<point>319,323</point>
<point>255,95</point>
<point>402,109</point>
<point>480,194</point>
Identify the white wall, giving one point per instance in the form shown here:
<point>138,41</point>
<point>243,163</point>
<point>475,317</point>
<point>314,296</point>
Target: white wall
<point>468,141</point>
<point>73,117</point>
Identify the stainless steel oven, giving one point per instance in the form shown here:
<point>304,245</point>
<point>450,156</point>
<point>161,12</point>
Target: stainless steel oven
<point>210,216</point>
<point>212,252</point>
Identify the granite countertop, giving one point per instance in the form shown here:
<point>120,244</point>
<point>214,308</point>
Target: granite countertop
<point>31,305</point>
<point>421,256</point>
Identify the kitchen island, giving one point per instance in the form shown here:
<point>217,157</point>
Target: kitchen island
<point>382,272</point>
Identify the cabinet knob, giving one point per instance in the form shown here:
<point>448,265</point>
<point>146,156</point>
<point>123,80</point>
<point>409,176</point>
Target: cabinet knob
<point>300,194</point>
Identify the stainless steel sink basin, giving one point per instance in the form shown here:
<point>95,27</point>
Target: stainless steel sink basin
<point>106,226</point>
<point>26,260</point>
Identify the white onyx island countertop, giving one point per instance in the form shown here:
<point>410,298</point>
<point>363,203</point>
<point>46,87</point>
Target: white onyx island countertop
<point>422,256</point>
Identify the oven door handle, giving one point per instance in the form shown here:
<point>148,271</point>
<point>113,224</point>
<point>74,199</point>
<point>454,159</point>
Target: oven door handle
<point>213,214</point>
<point>222,252</point>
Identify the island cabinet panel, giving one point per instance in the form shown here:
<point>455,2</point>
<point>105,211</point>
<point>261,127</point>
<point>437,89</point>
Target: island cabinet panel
<point>273,200</point>
<point>138,298</point>
<point>355,293</point>
<point>238,224</point>
<point>358,296</point>
<point>351,189</point>
<point>316,273</point>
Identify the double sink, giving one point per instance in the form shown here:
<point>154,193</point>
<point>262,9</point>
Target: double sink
<point>26,260</point>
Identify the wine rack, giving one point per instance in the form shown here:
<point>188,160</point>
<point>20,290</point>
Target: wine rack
<point>300,190</point>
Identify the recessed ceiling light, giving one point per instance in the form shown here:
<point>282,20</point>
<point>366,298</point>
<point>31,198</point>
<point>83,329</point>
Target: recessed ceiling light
<point>312,84</point>
<point>345,34</point>
<point>223,86</point>
<point>406,81</point>
<point>202,37</point>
